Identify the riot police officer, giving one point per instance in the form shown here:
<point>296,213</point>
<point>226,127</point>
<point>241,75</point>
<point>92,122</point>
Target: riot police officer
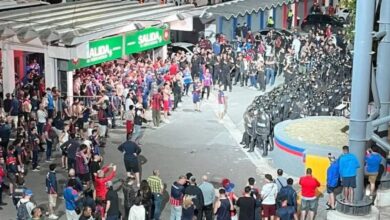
<point>262,130</point>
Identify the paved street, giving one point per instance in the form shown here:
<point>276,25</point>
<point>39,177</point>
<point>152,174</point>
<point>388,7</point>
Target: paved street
<point>192,142</point>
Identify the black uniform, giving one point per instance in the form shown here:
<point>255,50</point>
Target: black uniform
<point>226,79</point>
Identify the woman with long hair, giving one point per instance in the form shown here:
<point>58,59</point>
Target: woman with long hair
<point>146,195</point>
<point>188,208</point>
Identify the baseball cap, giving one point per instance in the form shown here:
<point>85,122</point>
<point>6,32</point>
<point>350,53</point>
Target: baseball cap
<point>28,192</point>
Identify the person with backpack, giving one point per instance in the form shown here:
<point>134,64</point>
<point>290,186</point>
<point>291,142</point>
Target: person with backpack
<point>280,180</point>
<point>52,189</point>
<point>288,192</point>
<point>25,206</point>
<point>286,212</point>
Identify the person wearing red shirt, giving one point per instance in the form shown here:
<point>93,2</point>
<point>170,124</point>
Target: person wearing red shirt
<point>309,203</point>
<point>101,180</point>
<point>156,102</point>
<point>173,69</point>
<point>331,10</point>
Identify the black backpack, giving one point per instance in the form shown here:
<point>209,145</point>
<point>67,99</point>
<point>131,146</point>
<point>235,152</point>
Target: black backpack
<point>22,213</point>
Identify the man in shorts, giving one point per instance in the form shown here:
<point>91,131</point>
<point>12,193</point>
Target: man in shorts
<point>309,202</point>
<point>332,182</point>
<point>222,104</point>
<point>268,195</point>
<point>348,165</point>
<point>373,162</point>
<point>51,189</point>
<point>130,152</point>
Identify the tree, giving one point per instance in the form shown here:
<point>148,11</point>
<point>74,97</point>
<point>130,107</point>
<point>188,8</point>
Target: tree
<point>350,30</point>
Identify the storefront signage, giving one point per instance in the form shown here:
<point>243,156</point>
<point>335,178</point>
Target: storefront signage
<point>146,39</point>
<point>111,48</point>
<point>100,51</point>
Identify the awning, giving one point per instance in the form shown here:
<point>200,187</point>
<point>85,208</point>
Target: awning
<point>79,22</point>
<point>239,8</point>
<point>13,4</point>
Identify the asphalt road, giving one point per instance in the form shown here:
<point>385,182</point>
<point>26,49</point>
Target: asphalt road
<point>192,142</point>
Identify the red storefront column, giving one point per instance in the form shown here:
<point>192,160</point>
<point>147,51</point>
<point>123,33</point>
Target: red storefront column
<point>296,11</point>
<point>19,65</point>
<point>305,9</point>
<point>285,12</point>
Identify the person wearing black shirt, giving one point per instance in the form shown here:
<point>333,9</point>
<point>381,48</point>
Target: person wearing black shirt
<point>112,203</point>
<point>196,192</point>
<point>71,147</point>
<point>225,67</point>
<point>130,152</point>
<point>129,194</point>
<point>7,103</point>
<point>247,205</point>
<point>94,165</point>
<point>5,134</point>
<point>176,92</point>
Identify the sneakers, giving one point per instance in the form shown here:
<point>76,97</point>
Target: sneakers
<point>36,170</point>
<point>52,216</point>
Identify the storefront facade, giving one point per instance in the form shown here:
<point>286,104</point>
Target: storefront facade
<point>225,19</point>
<point>67,44</point>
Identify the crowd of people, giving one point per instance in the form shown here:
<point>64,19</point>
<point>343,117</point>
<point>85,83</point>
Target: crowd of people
<point>36,121</point>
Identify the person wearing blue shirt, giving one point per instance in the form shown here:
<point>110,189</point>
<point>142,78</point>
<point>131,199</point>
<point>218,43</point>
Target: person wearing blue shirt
<point>332,182</point>
<point>50,103</point>
<point>372,165</point>
<point>216,48</point>
<point>348,165</point>
<point>14,111</point>
<point>71,196</point>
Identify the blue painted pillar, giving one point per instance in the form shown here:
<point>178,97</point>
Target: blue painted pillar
<point>361,87</point>
<point>249,21</point>
<point>220,24</point>
<point>274,16</point>
<point>262,20</point>
<point>234,23</point>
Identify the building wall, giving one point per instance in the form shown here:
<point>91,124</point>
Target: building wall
<point>258,20</point>
<point>278,18</point>
<point>301,12</point>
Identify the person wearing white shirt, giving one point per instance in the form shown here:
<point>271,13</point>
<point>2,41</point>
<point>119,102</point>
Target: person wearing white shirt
<point>128,102</point>
<point>41,115</point>
<point>296,45</point>
<point>268,194</point>
<point>137,211</point>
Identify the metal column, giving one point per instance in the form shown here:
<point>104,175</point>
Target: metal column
<point>360,86</point>
<point>383,72</point>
